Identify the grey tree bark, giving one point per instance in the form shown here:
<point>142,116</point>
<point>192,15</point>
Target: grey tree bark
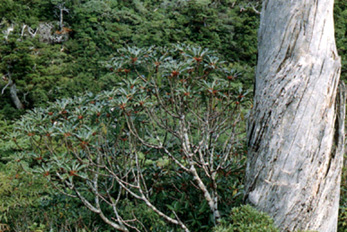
<point>296,126</point>
<point>14,96</point>
<point>13,92</point>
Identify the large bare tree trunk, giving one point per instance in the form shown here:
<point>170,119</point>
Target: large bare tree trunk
<point>296,127</point>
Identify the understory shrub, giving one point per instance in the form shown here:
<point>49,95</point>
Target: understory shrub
<point>247,219</point>
<point>163,149</point>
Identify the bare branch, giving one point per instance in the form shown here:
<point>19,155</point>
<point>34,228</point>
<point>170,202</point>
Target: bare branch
<point>10,82</point>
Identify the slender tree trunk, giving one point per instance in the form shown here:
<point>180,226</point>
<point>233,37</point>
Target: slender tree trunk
<point>296,127</point>
<point>14,96</point>
<point>13,93</point>
<point>61,25</point>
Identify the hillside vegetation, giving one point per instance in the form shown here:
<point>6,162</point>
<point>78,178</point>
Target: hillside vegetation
<point>100,100</point>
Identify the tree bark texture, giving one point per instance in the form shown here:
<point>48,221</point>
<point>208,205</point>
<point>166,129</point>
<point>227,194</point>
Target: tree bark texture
<point>14,96</point>
<point>296,126</point>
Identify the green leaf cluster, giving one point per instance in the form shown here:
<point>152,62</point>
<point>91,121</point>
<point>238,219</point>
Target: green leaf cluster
<point>247,219</point>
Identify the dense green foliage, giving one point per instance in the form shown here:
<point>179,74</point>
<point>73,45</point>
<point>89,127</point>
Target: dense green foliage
<point>247,219</point>
<point>72,139</point>
<point>45,71</point>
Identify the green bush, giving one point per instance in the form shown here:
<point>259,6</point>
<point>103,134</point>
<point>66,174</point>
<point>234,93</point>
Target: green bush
<point>247,219</point>
<point>147,133</point>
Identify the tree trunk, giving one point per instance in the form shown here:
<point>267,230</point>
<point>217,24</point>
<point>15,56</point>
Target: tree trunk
<point>296,126</point>
<point>14,97</point>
